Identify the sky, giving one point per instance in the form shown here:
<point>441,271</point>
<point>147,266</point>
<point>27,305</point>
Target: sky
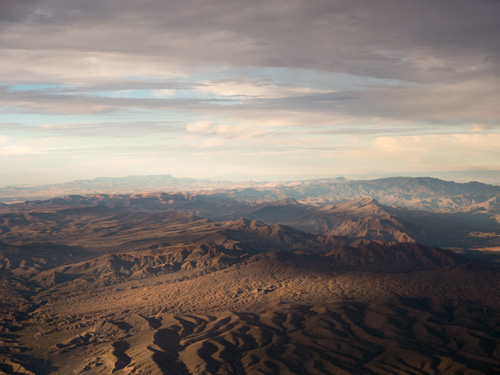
<point>218,88</point>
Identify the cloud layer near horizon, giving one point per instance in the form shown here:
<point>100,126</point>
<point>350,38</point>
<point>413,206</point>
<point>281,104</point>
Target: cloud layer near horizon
<point>204,88</point>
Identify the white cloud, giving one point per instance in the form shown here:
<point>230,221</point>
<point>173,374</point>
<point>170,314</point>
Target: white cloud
<point>226,131</point>
<point>214,134</point>
<point>17,150</point>
<point>477,128</point>
<point>455,144</point>
<point>435,152</point>
<point>201,127</point>
<point>163,93</point>
<point>248,88</point>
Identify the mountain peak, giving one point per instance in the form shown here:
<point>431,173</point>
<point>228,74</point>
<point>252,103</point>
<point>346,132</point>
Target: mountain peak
<point>286,202</point>
<point>359,203</point>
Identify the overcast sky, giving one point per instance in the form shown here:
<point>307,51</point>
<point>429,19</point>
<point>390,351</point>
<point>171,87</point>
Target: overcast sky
<point>277,88</point>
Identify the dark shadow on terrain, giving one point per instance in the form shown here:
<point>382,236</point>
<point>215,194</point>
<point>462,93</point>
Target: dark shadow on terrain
<point>122,358</point>
<point>168,359</point>
<point>153,322</point>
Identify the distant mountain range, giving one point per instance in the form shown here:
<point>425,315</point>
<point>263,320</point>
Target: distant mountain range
<point>467,175</point>
<point>423,193</point>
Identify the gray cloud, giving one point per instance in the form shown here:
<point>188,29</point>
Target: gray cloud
<point>422,41</point>
<point>46,101</point>
<point>15,10</point>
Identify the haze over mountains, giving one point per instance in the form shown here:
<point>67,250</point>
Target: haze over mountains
<point>315,277</point>
<point>419,192</point>
<point>424,210</point>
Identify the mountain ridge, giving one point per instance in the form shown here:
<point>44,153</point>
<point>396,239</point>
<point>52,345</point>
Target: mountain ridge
<point>421,192</point>
<point>367,218</point>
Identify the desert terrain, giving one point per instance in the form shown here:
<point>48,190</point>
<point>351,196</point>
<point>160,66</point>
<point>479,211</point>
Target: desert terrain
<point>228,283</point>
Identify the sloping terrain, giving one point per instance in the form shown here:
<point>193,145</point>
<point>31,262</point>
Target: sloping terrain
<point>99,284</point>
<point>361,218</point>
<point>357,218</point>
<point>389,336</point>
<point>294,312</point>
<point>366,218</point>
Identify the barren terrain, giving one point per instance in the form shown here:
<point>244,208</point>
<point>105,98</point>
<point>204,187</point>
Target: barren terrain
<point>142,285</point>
